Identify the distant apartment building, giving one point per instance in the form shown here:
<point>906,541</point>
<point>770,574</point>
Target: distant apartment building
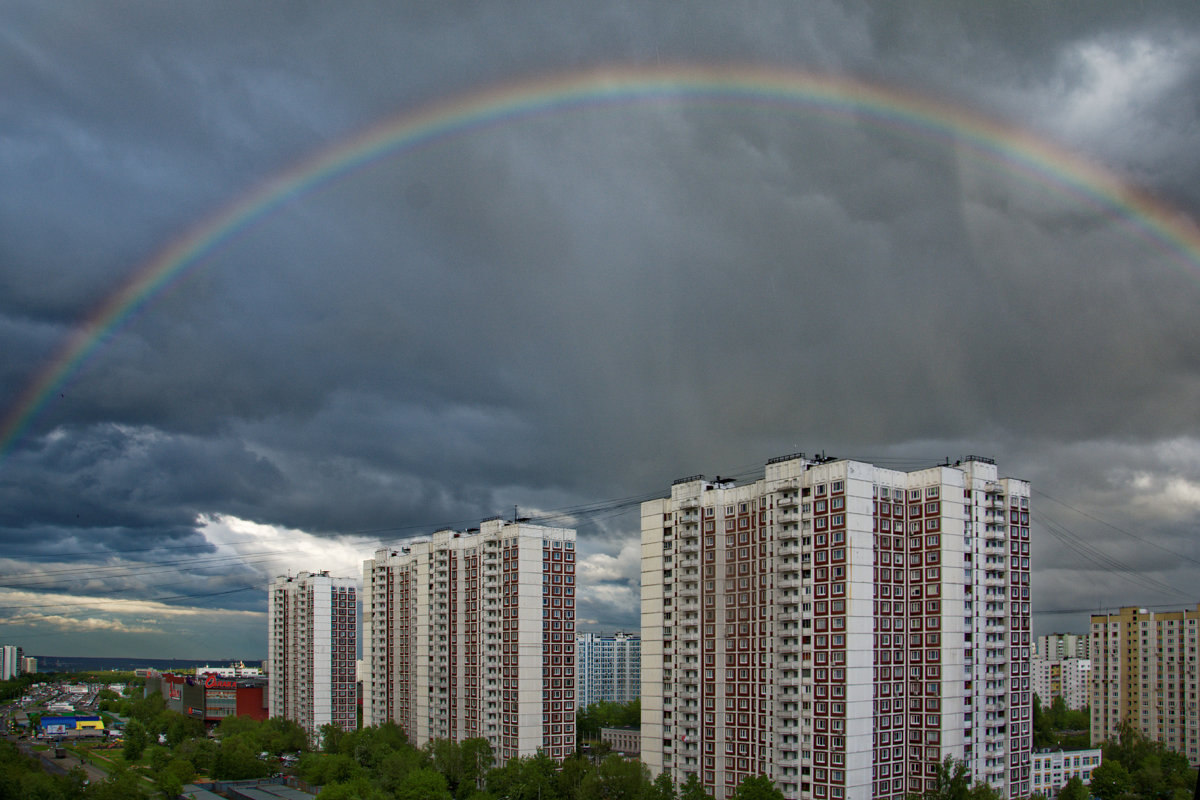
<point>839,627</point>
<point>1061,646</point>
<point>1053,768</point>
<point>10,661</point>
<point>312,643</point>
<point>472,634</point>
<point>28,665</point>
<point>1144,670</point>
<point>1070,679</point>
<point>608,667</point>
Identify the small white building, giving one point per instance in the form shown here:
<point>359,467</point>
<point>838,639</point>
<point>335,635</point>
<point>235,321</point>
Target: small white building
<point>1053,768</point>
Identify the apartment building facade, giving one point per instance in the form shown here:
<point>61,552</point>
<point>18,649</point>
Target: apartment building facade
<point>11,658</point>
<point>1053,768</point>
<point>839,627</point>
<point>1070,679</point>
<point>472,634</point>
<point>312,644</point>
<point>1144,670</point>
<point>607,667</point>
<point>1061,646</point>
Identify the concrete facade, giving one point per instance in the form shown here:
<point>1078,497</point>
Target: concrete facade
<point>312,635</point>
<point>1053,768</point>
<point>472,634</point>
<point>1070,679</point>
<point>1061,646</point>
<point>1144,670</point>
<point>839,627</point>
<point>11,657</point>
<point>608,667</point>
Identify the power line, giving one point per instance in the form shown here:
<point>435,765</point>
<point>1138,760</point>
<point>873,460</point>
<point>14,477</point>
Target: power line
<point>1119,530</point>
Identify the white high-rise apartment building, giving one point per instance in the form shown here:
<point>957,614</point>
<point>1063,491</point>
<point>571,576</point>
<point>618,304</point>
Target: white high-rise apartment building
<point>608,667</point>
<point>1069,678</point>
<point>473,635</point>
<point>1061,646</point>
<point>1144,671</point>
<point>839,627</point>
<point>312,644</point>
<point>10,661</point>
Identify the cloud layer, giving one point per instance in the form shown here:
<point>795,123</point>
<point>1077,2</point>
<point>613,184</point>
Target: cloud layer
<point>564,312</point>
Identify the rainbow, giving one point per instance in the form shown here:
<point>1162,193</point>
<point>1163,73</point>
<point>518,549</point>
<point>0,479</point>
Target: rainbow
<point>826,96</point>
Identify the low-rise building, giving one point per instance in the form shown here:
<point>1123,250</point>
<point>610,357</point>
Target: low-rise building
<point>1053,768</point>
<point>623,741</point>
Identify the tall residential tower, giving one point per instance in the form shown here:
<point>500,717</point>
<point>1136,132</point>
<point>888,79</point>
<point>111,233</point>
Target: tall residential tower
<point>839,627</point>
<point>312,643</point>
<point>1144,671</point>
<point>473,635</point>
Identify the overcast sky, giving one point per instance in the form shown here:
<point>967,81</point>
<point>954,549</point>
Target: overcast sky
<point>563,311</point>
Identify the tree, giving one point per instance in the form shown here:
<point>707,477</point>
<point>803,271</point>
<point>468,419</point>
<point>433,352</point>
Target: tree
<point>121,784</point>
<point>358,789</point>
<point>136,740</point>
<point>423,784</point>
<point>662,788</point>
<point>237,759</point>
<point>332,738</point>
<point>1073,789</point>
<point>146,709</point>
<point>953,782</point>
<point>1111,780</point>
<point>281,735</point>
<point>181,727</point>
<point>615,779</point>
<point>757,787</point>
<point>692,789</point>
<point>168,785</point>
<point>477,758</point>
<point>528,778</point>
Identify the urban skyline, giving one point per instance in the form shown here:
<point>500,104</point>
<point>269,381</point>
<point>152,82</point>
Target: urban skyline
<point>280,289</point>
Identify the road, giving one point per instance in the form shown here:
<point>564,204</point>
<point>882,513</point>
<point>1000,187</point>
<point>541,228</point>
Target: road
<point>58,766</point>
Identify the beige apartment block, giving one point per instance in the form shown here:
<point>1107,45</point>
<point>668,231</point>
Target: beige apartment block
<point>840,627</point>
<point>472,634</point>
<point>312,641</point>
<point>1144,670</point>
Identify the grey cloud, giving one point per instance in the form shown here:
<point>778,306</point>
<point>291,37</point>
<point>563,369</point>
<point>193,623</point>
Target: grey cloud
<point>588,303</point>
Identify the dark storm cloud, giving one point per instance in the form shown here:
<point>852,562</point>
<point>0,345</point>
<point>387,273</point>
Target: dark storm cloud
<point>586,304</point>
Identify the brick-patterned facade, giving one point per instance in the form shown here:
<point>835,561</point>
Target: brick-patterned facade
<point>312,648</point>
<point>473,635</point>
<point>839,627</point>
